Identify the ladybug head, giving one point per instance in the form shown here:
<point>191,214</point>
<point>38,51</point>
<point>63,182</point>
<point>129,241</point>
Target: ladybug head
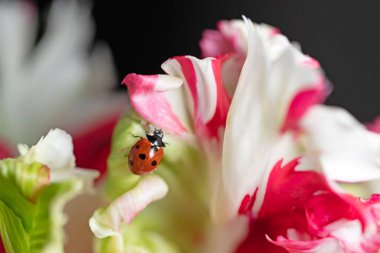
<point>158,134</point>
<point>156,138</point>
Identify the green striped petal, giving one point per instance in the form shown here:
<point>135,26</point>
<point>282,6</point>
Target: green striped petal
<point>176,223</point>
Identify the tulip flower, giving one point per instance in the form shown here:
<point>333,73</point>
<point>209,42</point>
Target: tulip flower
<point>251,156</point>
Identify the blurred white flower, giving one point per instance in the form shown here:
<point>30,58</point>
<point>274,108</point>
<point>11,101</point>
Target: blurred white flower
<point>56,82</point>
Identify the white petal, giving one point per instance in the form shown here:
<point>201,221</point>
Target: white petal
<point>87,176</point>
<point>204,93</point>
<point>270,78</point>
<point>340,145</point>
<point>55,150</point>
<point>226,237</point>
<point>106,222</point>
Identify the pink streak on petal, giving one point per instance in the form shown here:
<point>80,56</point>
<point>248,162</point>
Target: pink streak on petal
<point>222,103</point>
<point>225,40</point>
<point>211,128</point>
<point>213,43</point>
<point>275,31</point>
<point>311,63</point>
<point>231,36</point>
<point>152,105</point>
<point>188,71</point>
<point>301,102</point>
<point>92,146</point>
<point>374,126</point>
<point>247,203</point>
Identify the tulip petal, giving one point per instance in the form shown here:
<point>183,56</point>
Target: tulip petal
<point>231,38</point>
<point>106,222</point>
<point>151,97</point>
<point>330,245</point>
<point>56,151</point>
<point>273,74</point>
<point>203,83</point>
<point>340,145</point>
<point>374,126</point>
<point>303,212</point>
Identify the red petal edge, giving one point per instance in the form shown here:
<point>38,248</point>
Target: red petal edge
<point>305,202</point>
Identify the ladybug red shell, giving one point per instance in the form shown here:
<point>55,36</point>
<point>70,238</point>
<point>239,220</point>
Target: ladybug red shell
<point>146,154</point>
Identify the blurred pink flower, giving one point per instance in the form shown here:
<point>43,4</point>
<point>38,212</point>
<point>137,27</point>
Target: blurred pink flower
<point>5,152</point>
<point>92,146</point>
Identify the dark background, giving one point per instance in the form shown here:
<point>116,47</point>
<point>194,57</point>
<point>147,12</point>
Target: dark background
<point>344,35</point>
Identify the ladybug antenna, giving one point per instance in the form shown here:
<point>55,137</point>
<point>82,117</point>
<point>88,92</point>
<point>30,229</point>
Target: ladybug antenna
<point>136,136</point>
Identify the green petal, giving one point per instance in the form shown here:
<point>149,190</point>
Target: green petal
<point>29,178</point>
<point>28,226</point>
<point>47,233</point>
<point>119,178</point>
<point>13,234</point>
<point>11,196</point>
<point>176,223</point>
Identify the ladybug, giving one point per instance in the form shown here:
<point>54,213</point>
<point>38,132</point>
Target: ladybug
<point>147,153</point>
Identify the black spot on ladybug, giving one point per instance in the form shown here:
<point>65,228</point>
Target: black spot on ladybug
<point>154,163</point>
<point>131,162</point>
<point>142,156</point>
<point>137,146</point>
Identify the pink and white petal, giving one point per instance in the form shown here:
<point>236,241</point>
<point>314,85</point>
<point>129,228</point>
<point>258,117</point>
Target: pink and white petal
<point>156,98</point>
<point>270,78</point>
<point>238,171</point>
<point>209,101</point>
<point>106,222</point>
<point>301,102</point>
<point>292,86</point>
<point>374,126</point>
<point>213,43</point>
<point>230,38</point>
<point>230,41</point>
<point>324,245</point>
<point>236,32</point>
<point>340,145</point>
